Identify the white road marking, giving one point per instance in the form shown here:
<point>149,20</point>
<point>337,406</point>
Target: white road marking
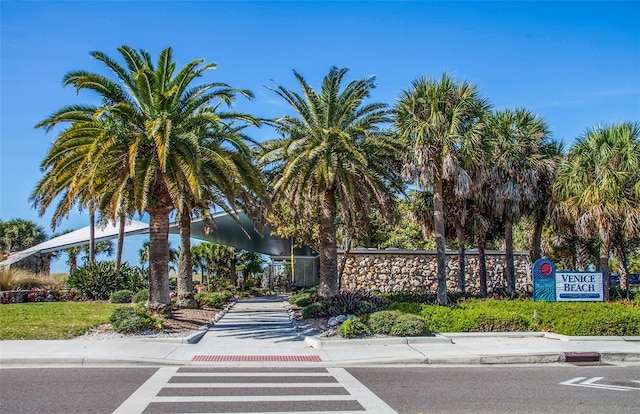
<point>148,392</point>
<point>592,383</point>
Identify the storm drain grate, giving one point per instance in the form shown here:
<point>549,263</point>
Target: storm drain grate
<point>257,358</point>
<point>590,364</point>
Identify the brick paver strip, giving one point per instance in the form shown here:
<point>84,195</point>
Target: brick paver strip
<point>257,358</point>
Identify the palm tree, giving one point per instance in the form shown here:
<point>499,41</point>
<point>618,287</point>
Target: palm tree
<point>441,121</point>
<point>333,160</point>
<point>542,207</point>
<point>144,254</point>
<point>519,164</point>
<point>598,186</point>
<point>19,234</point>
<point>164,114</point>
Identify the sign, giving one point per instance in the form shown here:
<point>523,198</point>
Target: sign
<point>579,286</point>
<point>552,286</point>
<point>544,281</point>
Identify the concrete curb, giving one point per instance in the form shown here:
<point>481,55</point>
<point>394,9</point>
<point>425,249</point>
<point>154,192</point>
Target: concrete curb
<point>337,342</point>
<point>88,361</point>
<point>320,342</point>
<point>551,335</point>
<point>619,357</point>
<point>505,359</point>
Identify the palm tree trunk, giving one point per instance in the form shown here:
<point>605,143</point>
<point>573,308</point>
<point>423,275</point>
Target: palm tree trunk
<point>511,272</point>
<point>73,260</point>
<point>328,247</point>
<point>92,237</point>
<point>233,274</point>
<point>159,259</point>
<point>121,225</point>
<point>438,224</point>
<point>482,267</point>
<point>624,269</point>
<point>461,258</point>
<point>582,256</point>
<point>185,265</point>
<point>535,250</point>
<point>604,266</point>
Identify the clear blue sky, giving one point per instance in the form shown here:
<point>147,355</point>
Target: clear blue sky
<point>576,64</point>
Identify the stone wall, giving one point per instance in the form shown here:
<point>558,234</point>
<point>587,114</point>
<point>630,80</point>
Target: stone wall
<point>402,270</point>
<point>39,263</point>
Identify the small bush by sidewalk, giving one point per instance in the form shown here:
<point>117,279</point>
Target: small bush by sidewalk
<point>134,319</point>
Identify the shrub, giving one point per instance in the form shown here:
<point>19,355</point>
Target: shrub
<point>121,296</point>
<point>488,321</point>
<point>353,328</point>
<point>94,281</point>
<point>97,281</point>
<point>312,310</point>
<point>406,307</point>
<point>409,325</point>
<point>213,299</point>
<point>607,319</point>
<point>302,299</point>
<point>134,319</point>
<point>355,303</point>
<point>383,321</point>
<point>219,284</point>
<point>141,296</point>
<point>439,318</point>
<point>133,278</point>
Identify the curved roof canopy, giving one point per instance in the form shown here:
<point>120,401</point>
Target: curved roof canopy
<point>239,232</point>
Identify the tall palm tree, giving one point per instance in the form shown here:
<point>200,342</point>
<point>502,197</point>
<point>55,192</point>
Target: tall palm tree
<point>334,159</point>
<point>598,186</point>
<point>540,213</point>
<point>440,119</point>
<point>164,113</point>
<point>518,165</point>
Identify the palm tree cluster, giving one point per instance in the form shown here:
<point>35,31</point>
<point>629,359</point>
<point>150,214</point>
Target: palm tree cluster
<point>161,144</point>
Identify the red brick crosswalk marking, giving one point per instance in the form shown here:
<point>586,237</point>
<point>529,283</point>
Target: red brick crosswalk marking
<point>257,358</point>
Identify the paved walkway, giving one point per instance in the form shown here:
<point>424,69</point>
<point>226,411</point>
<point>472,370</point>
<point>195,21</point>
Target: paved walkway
<point>259,331</point>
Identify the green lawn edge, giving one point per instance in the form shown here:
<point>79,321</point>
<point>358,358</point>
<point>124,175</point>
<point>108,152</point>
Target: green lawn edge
<point>51,320</point>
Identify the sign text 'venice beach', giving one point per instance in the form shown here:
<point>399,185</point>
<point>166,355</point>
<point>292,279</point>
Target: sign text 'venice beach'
<point>550,286</point>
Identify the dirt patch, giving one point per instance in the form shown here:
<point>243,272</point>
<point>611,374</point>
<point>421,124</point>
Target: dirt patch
<point>181,323</point>
<point>312,326</point>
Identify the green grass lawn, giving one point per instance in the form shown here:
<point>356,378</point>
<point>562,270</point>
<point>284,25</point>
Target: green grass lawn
<point>52,320</point>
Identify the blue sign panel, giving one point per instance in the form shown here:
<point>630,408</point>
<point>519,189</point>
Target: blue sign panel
<point>544,281</point>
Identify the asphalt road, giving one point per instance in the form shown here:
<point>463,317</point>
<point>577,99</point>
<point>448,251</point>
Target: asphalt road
<point>386,389</point>
<point>504,389</point>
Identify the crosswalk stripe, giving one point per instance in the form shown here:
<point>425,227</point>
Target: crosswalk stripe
<point>248,398</point>
<point>251,373</point>
<point>253,384</point>
<point>345,391</point>
<point>138,401</point>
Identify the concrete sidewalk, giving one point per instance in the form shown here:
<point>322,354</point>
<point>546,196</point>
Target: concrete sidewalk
<point>260,331</point>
